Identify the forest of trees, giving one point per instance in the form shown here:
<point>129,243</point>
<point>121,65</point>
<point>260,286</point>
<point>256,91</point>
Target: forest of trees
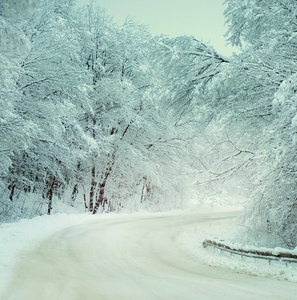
<point>97,116</point>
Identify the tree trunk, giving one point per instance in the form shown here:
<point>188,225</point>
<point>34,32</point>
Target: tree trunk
<point>11,187</point>
<point>93,182</point>
<point>85,202</point>
<point>92,190</point>
<point>49,195</point>
<point>101,201</point>
<point>74,195</point>
<point>145,190</point>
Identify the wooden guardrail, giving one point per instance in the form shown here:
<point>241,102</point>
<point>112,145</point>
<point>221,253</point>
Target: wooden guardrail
<point>283,256</point>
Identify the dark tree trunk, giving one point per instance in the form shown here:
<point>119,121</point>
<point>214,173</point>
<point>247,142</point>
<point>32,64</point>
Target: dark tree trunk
<point>85,202</point>
<point>101,200</point>
<point>11,187</point>
<point>93,181</point>
<point>49,195</point>
<point>74,195</point>
<point>92,190</point>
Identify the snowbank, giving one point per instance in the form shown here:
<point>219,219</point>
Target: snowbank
<point>17,238</point>
<point>193,239</point>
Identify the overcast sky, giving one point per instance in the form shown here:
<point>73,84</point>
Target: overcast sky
<point>201,18</point>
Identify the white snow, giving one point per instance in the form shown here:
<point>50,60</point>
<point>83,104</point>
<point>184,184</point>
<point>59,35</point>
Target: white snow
<point>142,255</point>
<point>226,231</point>
<point>20,237</point>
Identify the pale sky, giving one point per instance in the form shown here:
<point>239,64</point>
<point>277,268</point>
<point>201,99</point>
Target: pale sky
<point>202,19</point>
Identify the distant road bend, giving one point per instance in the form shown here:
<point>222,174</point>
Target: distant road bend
<point>133,257</point>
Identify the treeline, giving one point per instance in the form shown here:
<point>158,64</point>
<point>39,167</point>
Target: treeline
<point>102,117</point>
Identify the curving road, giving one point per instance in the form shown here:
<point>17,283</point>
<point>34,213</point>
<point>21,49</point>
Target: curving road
<point>133,257</point>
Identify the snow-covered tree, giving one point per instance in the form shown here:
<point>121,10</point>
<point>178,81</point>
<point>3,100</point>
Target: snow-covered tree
<point>267,29</point>
<point>188,66</point>
<point>265,80</point>
<point>50,94</point>
<point>272,213</point>
<point>118,59</point>
<point>14,46</point>
<point>127,120</point>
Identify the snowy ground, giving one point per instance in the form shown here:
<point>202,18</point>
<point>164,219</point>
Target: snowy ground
<point>20,237</point>
<point>138,256</point>
<point>193,237</point>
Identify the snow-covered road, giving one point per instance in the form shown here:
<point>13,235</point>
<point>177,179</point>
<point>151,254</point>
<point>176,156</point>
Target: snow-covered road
<point>134,257</point>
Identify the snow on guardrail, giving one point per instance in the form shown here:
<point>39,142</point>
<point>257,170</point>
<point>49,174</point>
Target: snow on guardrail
<point>276,254</point>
